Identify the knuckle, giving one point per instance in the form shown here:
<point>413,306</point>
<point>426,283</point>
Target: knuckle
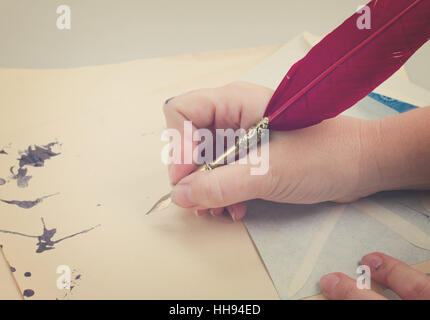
<point>270,183</point>
<point>238,84</point>
<point>212,190</point>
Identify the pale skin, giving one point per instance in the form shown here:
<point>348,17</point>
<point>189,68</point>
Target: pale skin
<point>341,159</point>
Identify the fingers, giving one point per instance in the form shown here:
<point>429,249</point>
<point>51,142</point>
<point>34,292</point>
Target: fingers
<point>338,286</point>
<point>398,276</point>
<point>216,211</point>
<point>237,211</point>
<point>224,186</point>
<point>221,108</point>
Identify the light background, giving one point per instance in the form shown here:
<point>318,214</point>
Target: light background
<point>111,31</point>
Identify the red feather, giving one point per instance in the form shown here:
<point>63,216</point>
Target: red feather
<point>349,63</point>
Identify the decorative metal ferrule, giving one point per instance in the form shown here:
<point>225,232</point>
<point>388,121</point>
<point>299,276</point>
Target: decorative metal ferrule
<point>242,146</point>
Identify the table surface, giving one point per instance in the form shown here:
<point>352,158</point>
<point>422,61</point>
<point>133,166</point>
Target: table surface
<point>239,61</point>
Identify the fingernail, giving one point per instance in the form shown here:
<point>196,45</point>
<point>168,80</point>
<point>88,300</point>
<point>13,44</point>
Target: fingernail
<point>374,261</point>
<point>212,213</point>
<point>232,213</point>
<point>181,195</point>
<point>199,212</point>
<point>167,101</point>
<point>328,282</point>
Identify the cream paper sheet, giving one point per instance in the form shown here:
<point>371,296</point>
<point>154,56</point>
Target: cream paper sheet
<point>107,121</point>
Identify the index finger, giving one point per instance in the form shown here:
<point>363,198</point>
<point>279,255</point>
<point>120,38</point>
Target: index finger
<point>398,276</point>
<point>237,105</point>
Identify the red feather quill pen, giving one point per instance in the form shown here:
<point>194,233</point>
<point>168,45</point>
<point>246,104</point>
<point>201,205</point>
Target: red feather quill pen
<point>349,63</point>
<point>339,71</point>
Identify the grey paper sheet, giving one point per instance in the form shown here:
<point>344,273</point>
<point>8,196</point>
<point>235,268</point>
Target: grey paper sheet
<point>283,232</point>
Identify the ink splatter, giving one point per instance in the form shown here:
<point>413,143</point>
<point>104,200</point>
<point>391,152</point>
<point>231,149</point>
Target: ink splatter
<point>2,182</point>
<point>74,283</point>
<point>27,274</point>
<point>425,214</point>
<point>21,177</point>
<point>27,204</point>
<point>28,293</point>
<point>44,241</point>
<point>36,156</point>
<point>12,269</point>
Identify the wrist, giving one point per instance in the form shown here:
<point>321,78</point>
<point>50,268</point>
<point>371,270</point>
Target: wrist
<point>398,150</point>
<point>372,169</point>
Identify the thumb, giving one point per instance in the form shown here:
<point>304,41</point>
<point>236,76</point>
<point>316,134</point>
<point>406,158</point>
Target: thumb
<point>220,187</point>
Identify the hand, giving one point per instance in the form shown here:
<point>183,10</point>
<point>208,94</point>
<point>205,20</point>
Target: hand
<point>392,273</point>
<point>331,161</point>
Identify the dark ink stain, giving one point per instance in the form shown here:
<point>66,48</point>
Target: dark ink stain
<point>44,241</point>
<point>21,177</point>
<point>74,283</point>
<point>426,215</point>
<point>2,182</point>
<point>36,156</point>
<point>28,293</point>
<point>3,152</point>
<point>12,269</point>
<point>99,205</point>
<point>27,274</point>
<point>168,100</point>
<point>27,204</point>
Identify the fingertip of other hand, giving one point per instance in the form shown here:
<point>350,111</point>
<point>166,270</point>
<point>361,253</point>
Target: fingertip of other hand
<point>373,260</point>
<point>328,283</point>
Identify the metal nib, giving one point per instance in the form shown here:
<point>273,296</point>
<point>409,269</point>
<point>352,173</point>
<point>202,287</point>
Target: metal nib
<point>161,204</point>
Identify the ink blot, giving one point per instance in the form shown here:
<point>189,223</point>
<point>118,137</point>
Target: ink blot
<point>2,182</point>
<point>20,177</point>
<point>3,152</point>
<point>28,293</point>
<point>12,269</point>
<point>36,156</point>
<point>44,241</point>
<point>27,204</point>
<point>27,274</point>
<point>74,283</point>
